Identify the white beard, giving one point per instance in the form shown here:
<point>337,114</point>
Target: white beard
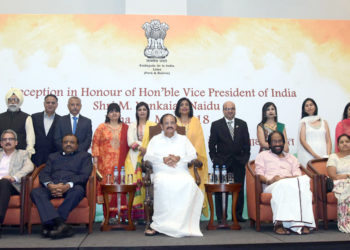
<point>13,107</point>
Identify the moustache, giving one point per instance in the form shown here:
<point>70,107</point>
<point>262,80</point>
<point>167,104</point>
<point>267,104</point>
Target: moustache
<point>8,144</point>
<point>13,107</point>
<point>169,128</point>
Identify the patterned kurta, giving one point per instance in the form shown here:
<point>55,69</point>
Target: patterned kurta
<point>110,146</point>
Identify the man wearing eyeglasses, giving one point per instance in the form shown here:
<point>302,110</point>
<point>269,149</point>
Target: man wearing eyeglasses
<point>14,164</point>
<point>18,121</point>
<point>44,126</point>
<point>229,145</point>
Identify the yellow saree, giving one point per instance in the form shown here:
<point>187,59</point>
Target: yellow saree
<point>194,133</point>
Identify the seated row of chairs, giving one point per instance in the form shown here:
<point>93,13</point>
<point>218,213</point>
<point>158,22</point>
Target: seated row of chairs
<point>22,211</point>
<point>324,204</point>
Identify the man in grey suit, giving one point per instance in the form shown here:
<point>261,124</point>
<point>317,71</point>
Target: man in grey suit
<point>14,164</point>
<point>76,124</point>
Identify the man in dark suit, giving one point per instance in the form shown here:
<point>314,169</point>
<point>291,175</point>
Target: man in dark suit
<point>44,127</point>
<point>229,145</point>
<point>65,175</point>
<point>76,124</point>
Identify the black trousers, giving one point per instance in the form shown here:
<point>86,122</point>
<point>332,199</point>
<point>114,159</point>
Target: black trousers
<point>238,171</point>
<point>42,199</point>
<point>6,190</point>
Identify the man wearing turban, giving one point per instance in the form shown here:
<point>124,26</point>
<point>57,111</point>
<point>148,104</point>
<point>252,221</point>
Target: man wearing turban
<point>18,121</point>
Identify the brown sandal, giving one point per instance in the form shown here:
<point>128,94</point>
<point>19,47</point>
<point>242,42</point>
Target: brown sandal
<point>280,230</point>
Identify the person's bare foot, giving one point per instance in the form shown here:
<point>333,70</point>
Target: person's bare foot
<point>305,230</point>
<point>150,232</point>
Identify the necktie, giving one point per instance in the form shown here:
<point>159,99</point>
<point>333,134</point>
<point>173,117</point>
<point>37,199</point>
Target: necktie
<point>232,130</point>
<point>75,119</point>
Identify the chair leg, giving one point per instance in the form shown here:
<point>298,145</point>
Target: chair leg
<point>252,223</point>
<point>90,227</point>
<point>29,228</point>
<point>257,226</point>
<point>147,208</point>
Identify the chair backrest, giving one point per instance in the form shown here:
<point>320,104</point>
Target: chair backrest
<point>319,166</point>
<point>155,130</point>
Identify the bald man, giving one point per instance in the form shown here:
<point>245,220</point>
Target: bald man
<point>18,121</point>
<point>229,145</point>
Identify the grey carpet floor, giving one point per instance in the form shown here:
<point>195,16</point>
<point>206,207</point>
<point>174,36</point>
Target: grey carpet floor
<point>129,239</point>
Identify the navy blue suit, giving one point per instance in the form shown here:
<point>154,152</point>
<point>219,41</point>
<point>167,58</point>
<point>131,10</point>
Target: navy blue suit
<point>61,168</point>
<point>234,153</point>
<point>44,144</point>
<point>83,131</point>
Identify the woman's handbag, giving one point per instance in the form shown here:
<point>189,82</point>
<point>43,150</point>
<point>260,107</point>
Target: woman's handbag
<point>329,185</point>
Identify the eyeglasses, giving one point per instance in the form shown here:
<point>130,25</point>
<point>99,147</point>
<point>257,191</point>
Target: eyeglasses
<point>13,100</point>
<point>8,139</point>
<point>229,109</point>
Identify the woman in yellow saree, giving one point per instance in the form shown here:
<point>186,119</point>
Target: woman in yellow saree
<point>194,132</point>
<point>138,138</point>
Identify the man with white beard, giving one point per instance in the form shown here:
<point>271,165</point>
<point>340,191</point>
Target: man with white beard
<point>18,121</point>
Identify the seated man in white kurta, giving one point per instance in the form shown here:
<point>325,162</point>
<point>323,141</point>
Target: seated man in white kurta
<point>291,200</point>
<point>177,199</point>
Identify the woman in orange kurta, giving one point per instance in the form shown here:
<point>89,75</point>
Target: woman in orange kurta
<point>109,149</point>
<point>194,132</point>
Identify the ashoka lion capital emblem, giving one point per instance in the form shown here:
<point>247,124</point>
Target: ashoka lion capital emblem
<point>155,31</point>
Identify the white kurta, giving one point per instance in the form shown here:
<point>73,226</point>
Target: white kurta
<point>291,203</point>
<point>177,199</point>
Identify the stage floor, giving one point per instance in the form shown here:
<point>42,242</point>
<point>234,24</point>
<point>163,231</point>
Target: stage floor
<point>247,238</point>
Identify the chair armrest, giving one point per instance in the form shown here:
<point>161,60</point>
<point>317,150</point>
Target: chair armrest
<point>196,164</point>
<point>33,176</point>
<point>309,173</point>
<point>99,176</point>
<point>148,169</point>
<point>258,187</point>
<point>91,196</point>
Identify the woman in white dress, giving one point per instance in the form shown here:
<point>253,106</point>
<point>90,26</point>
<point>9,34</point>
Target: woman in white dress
<point>314,137</point>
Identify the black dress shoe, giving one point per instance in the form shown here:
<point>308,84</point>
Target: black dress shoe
<point>62,231</point>
<point>46,229</point>
<point>241,219</point>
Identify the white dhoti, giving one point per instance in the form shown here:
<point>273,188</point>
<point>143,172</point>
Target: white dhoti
<point>177,204</point>
<point>177,199</point>
<point>291,203</point>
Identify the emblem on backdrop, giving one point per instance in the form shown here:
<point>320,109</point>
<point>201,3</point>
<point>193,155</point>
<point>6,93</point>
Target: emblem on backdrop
<point>155,32</point>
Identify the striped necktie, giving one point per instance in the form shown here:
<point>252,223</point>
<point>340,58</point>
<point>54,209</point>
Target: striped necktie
<point>232,130</point>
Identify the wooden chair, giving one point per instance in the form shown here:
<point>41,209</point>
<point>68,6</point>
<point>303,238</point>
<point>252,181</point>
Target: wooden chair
<point>147,168</point>
<point>259,208</point>
<point>16,211</point>
<point>84,213</point>
<point>326,201</point>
